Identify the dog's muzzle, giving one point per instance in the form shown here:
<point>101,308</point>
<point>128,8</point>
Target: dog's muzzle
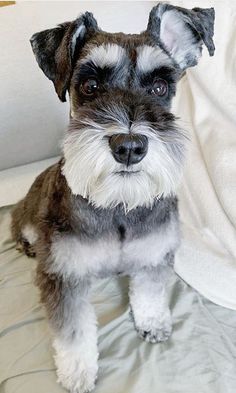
<point>128,149</point>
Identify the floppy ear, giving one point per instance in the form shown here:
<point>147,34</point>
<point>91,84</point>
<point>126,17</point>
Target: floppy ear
<point>182,32</point>
<point>56,49</point>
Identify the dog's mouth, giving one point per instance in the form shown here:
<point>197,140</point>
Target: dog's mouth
<point>127,173</point>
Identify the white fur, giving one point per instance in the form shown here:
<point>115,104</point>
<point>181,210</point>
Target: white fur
<point>73,258</point>
<point>29,233</point>
<point>91,170</point>
<point>149,250</point>
<point>106,55</point>
<point>76,359</point>
<point>149,306</point>
<point>178,39</point>
<point>151,57</point>
<point>79,32</point>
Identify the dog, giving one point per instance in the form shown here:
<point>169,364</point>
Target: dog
<point>109,205</point>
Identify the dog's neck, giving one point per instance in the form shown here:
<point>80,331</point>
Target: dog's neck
<point>91,222</point>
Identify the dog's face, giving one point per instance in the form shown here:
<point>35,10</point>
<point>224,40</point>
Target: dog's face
<point>123,145</point>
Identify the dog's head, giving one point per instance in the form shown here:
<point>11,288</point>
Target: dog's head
<point>123,145</point>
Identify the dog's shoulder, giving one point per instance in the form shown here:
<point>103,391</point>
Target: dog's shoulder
<point>54,203</point>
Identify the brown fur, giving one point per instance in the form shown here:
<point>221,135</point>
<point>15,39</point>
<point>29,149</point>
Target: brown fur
<point>46,207</point>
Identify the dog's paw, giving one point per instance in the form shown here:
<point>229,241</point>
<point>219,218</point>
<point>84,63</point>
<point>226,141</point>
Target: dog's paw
<point>76,372</point>
<point>155,335</point>
<point>77,377</point>
<point>25,247</point>
<point>154,331</point>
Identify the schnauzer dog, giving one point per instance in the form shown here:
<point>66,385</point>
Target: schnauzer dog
<point>109,205</point>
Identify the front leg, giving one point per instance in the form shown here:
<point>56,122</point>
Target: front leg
<point>73,321</point>
<point>149,305</point>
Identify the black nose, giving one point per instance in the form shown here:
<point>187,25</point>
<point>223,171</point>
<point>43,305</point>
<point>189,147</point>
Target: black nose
<point>128,148</point>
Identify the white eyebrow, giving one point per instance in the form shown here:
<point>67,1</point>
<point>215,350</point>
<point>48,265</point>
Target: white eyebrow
<point>106,55</point>
<point>150,57</point>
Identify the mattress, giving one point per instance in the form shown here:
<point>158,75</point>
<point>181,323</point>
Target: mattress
<point>200,356</point>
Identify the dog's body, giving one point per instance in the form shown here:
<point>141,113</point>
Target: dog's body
<point>109,207</point>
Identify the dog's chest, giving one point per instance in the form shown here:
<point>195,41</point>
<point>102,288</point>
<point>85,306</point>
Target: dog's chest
<point>112,242</point>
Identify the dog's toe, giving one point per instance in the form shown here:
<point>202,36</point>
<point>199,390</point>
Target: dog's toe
<point>155,335</point>
<point>154,330</point>
<point>25,247</point>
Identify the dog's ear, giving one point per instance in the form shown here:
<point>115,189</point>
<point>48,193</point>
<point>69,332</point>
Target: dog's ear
<point>182,32</point>
<point>55,49</point>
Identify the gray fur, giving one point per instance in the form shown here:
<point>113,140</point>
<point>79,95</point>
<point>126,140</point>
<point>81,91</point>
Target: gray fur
<point>91,216</point>
<point>100,234</point>
<point>92,223</point>
<point>64,319</point>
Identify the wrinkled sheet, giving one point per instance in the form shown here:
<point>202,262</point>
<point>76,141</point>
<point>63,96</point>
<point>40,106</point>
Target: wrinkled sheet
<point>200,356</point>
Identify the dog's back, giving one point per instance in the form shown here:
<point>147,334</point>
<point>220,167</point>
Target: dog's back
<point>33,209</point>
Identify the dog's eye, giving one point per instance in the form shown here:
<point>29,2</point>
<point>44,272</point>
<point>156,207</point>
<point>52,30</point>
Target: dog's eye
<point>159,87</point>
<point>89,86</point>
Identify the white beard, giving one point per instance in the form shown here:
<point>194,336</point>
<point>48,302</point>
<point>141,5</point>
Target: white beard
<point>92,172</point>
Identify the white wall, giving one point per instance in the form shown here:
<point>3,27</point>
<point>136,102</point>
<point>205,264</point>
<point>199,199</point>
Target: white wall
<point>32,119</point>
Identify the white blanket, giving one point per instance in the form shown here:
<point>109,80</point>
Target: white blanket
<point>206,103</point>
